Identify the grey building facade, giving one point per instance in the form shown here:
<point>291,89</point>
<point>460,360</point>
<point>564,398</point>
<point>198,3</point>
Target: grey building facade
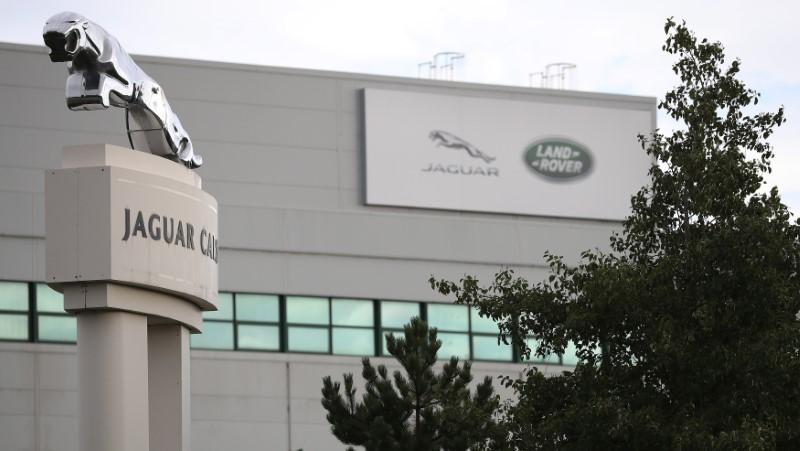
<point>284,156</point>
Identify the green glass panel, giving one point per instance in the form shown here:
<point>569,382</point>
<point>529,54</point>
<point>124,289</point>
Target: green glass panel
<point>448,317</point>
<point>486,347</point>
<point>397,333</point>
<point>58,328</point>
<point>48,299</point>
<point>352,312</point>
<point>224,309</point>
<point>259,337</point>
<point>216,335</point>
<point>569,357</point>
<point>303,310</point>
<point>483,324</point>
<point>257,307</point>
<point>551,359</point>
<point>13,327</point>
<point>308,339</point>
<point>14,296</point>
<point>453,345</point>
<point>398,314</point>
<point>348,341</point>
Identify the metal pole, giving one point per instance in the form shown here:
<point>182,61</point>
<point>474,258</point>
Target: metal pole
<point>420,66</point>
<point>567,66</point>
<point>541,79</point>
<point>457,56</point>
<point>449,57</point>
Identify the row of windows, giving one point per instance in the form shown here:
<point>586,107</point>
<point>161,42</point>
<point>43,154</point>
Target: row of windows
<point>259,322</point>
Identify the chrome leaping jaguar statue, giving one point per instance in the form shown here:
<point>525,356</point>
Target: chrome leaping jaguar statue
<point>102,74</point>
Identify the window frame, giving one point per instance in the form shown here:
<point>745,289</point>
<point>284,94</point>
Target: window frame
<point>373,328</point>
<point>468,332</point>
<point>236,322</point>
<point>287,325</point>
<point>482,334</point>
<point>28,314</point>
<point>231,321</point>
<point>381,331</point>
<point>34,293</point>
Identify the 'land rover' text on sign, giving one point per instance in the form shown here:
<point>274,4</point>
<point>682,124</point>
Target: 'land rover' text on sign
<point>558,159</point>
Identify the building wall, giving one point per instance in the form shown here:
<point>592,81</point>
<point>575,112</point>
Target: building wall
<point>283,153</point>
<point>241,401</point>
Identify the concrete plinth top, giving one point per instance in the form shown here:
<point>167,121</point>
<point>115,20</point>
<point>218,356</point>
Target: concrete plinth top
<point>115,156</point>
<point>131,218</point>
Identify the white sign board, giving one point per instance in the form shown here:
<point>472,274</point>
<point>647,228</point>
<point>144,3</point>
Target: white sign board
<point>504,156</point>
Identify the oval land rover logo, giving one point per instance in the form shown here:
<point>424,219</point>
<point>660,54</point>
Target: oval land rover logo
<point>558,158</point>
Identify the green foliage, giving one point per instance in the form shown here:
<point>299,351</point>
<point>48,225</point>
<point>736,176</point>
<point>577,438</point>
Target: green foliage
<point>687,329</point>
<point>419,410</point>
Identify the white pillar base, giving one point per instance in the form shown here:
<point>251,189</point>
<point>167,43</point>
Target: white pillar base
<point>112,372</point>
<point>170,409</point>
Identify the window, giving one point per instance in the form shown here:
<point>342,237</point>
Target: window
<point>353,327</point>
<point>337,326</point>
<point>52,322</point>
<point>217,326</point>
<point>395,315</point>
<point>550,359</point>
<point>258,322</point>
<point>490,348</point>
<point>14,311</point>
<point>308,324</point>
<point>569,357</point>
<point>452,321</point>
<point>485,345</point>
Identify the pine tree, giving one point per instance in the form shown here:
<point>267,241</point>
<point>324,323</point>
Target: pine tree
<point>417,409</point>
<point>687,329</point>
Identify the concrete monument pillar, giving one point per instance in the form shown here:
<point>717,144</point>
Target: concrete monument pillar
<point>132,244</point>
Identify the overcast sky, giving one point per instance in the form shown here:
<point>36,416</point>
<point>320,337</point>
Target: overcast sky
<point>616,45</point>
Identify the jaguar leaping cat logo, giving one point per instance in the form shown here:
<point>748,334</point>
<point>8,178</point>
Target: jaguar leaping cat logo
<point>445,139</point>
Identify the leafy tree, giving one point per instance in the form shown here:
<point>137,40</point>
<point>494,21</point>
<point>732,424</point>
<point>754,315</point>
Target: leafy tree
<point>687,328</point>
<point>419,410</point>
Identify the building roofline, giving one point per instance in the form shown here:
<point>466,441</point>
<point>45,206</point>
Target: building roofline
<point>646,101</point>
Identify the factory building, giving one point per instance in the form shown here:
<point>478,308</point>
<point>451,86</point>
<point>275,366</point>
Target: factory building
<point>340,195</point>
